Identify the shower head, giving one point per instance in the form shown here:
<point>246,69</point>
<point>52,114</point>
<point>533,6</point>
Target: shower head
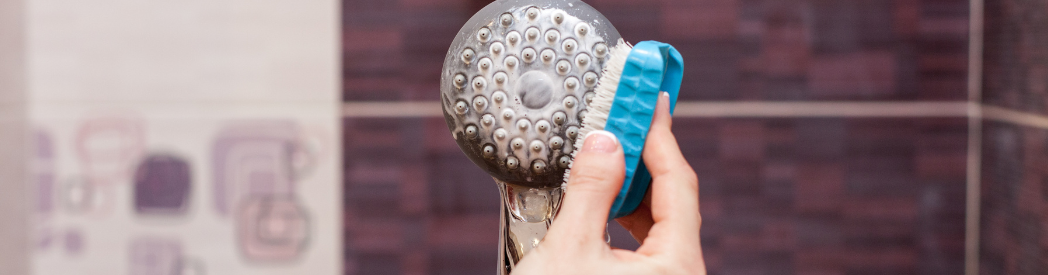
<point>515,84</point>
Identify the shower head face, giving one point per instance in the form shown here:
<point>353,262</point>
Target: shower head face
<point>514,85</point>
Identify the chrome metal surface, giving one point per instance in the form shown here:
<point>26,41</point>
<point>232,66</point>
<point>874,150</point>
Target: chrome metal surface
<point>526,215</point>
<point>513,88</point>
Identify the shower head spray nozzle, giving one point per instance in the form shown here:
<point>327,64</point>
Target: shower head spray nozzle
<point>515,85</point>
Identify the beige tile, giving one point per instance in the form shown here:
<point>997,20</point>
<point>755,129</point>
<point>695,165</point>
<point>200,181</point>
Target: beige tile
<point>84,139</point>
<point>14,230</point>
<point>185,51</point>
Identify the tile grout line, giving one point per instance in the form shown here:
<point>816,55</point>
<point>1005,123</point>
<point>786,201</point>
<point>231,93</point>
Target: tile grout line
<point>974,110</point>
<point>391,109</point>
<point>710,109</point>
<point>1012,116</point>
<point>822,109</point>
<point>973,197</point>
<point>758,109</point>
<point>973,175</point>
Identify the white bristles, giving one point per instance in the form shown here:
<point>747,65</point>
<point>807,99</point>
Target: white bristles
<point>599,109</point>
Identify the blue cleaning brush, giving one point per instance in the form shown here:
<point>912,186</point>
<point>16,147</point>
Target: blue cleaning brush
<point>624,104</point>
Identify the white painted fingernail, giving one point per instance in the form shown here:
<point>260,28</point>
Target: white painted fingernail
<point>601,142</point>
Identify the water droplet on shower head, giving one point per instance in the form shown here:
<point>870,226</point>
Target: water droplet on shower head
<point>496,49</point>
<point>564,162</point>
<point>511,62</point>
<point>471,131</point>
<point>552,36</point>
<point>570,102</point>
<point>569,45</point>
<point>548,55</point>
<point>556,143</point>
<point>570,84</point>
<point>582,29</point>
<point>572,132</point>
<point>498,97</point>
<point>489,151</point>
<point>500,78</point>
<point>523,125</point>
<point>531,34</point>
<point>512,162</point>
<point>528,54</point>
<point>538,166</point>
<point>563,67</point>
<point>517,143</point>
<point>582,60</point>
<point>507,114</point>
<point>479,83</point>
<point>532,13</point>
<point>536,146</point>
<point>467,55</point>
<point>559,118</point>
<point>480,103</point>
<point>460,80</point>
<point>600,50</point>
<point>590,78</point>
<point>542,126</point>
<point>483,35</point>
<point>506,19</point>
<point>558,17</point>
<point>513,38</point>
<point>487,120</point>
<point>461,107</point>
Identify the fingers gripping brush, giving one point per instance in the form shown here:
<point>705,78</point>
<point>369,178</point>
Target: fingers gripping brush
<point>624,105</point>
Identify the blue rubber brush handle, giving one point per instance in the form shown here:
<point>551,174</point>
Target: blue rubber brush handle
<point>650,68</point>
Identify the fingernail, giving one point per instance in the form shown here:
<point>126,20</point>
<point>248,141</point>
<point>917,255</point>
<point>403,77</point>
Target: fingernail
<point>665,94</point>
<point>600,141</point>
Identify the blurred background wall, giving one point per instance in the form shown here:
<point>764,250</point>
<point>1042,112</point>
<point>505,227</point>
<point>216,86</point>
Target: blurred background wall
<point>829,137</point>
<point>1013,223</point>
<point>14,217</point>
<point>161,138</point>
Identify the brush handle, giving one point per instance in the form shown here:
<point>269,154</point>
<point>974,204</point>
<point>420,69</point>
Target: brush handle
<point>651,67</point>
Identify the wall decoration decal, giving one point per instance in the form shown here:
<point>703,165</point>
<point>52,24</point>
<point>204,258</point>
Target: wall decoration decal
<point>162,185</point>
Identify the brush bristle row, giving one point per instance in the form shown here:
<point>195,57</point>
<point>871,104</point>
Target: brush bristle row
<point>599,109</point>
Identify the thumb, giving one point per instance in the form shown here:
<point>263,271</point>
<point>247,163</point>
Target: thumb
<point>596,177</point>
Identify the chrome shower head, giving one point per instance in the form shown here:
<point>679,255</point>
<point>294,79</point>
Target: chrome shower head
<point>515,85</point>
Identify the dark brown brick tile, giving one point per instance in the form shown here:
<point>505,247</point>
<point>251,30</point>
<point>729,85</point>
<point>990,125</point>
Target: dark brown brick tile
<point>1015,57</point>
<point>735,49</point>
<point>1014,200</point>
<point>779,196</point>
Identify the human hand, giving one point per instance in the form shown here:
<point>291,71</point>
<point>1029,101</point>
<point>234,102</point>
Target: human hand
<point>667,223</point>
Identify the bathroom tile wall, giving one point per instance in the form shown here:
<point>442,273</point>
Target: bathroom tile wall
<point>736,49</point>
<point>14,228</point>
<point>179,137</point>
<point>807,50</point>
<point>414,204</point>
<point>1014,188</point>
<point>780,195</point>
<point>1014,200</point>
<point>1016,55</point>
<point>829,195</point>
